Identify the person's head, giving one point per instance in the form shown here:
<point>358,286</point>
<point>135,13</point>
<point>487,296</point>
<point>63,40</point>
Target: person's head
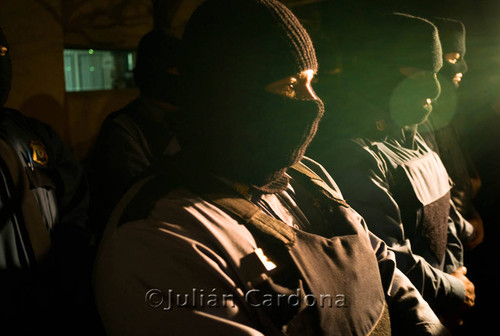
<point>5,69</point>
<point>249,106</point>
<point>390,72</point>
<point>156,69</point>
<point>452,36</point>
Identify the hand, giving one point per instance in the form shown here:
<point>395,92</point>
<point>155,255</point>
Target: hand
<point>453,319</point>
<point>470,290</point>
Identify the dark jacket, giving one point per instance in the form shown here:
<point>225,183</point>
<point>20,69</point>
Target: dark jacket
<point>130,141</point>
<point>192,234</point>
<point>404,196</point>
<point>45,247</point>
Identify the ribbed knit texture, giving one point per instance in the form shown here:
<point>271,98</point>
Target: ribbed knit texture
<point>300,42</point>
<point>232,50</point>
<point>245,44</point>
<point>451,34</point>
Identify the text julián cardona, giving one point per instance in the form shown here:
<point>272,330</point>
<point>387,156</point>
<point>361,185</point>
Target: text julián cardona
<point>200,298</point>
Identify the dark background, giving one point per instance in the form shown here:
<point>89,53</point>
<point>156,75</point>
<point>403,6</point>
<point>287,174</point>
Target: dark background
<point>39,30</point>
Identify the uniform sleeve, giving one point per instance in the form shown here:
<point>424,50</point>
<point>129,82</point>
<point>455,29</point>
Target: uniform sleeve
<point>72,240</point>
<point>150,281</point>
<point>365,187</point>
<point>463,229</point>
<point>410,313</point>
<point>73,190</point>
<point>68,174</point>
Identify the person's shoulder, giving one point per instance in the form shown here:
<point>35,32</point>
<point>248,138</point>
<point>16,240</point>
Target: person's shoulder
<point>21,119</point>
<point>123,121</point>
<point>10,113</point>
<point>319,170</point>
<point>352,155</point>
<point>175,219</point>
<point>125,114</point>
<point>36,127</point>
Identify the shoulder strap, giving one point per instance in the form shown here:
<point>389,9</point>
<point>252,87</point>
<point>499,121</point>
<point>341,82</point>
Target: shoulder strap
<point>323,187</point>
<point>253,215</point>
<point>175,174</point>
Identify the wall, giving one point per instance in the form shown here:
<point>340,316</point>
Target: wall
<point>38,31</point>
<point>36,49</point>
<point>98,24</point>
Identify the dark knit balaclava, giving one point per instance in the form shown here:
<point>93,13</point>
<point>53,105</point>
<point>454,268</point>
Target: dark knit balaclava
<point>379,90</point>
<point>157,56</point>
<point>452,36</point>
<point>5,71</point>
<point>233,126</point>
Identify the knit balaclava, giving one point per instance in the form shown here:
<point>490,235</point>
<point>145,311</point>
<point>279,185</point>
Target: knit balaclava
<point>157,54</point>
<point>452,36</point>
<point>5,71</point>
<point>233,126</point>
<point>373,73</point>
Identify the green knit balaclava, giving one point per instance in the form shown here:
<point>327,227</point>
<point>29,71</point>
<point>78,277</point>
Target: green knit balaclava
<point>374,88</point>
<point>233,126</point>
<point>452,36</point>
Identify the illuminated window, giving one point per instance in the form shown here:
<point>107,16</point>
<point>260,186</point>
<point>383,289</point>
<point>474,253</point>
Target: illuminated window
<point>93,69</point>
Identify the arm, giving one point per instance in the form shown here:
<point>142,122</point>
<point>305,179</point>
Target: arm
<point>149,261</point>
<point>72,185</point>
<point>72,192</point>
<point>462,232</point>
<point>365,186</point>
<point>71,240</point>
<point>406,301</point>
<point>410,313</point>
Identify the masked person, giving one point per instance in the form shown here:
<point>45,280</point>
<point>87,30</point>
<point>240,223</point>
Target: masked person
<point>45,245</point>
<point>133,138</point>
<point>386,171</point>
<point>440,131</point>
<point>240,222</point>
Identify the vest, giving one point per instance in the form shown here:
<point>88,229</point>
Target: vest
<point>421,187</point>
<point>327,285</point>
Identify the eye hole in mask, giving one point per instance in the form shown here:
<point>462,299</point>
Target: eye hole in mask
<point>298,86</point>
<point>5,74</point>
<point>3,51</point>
